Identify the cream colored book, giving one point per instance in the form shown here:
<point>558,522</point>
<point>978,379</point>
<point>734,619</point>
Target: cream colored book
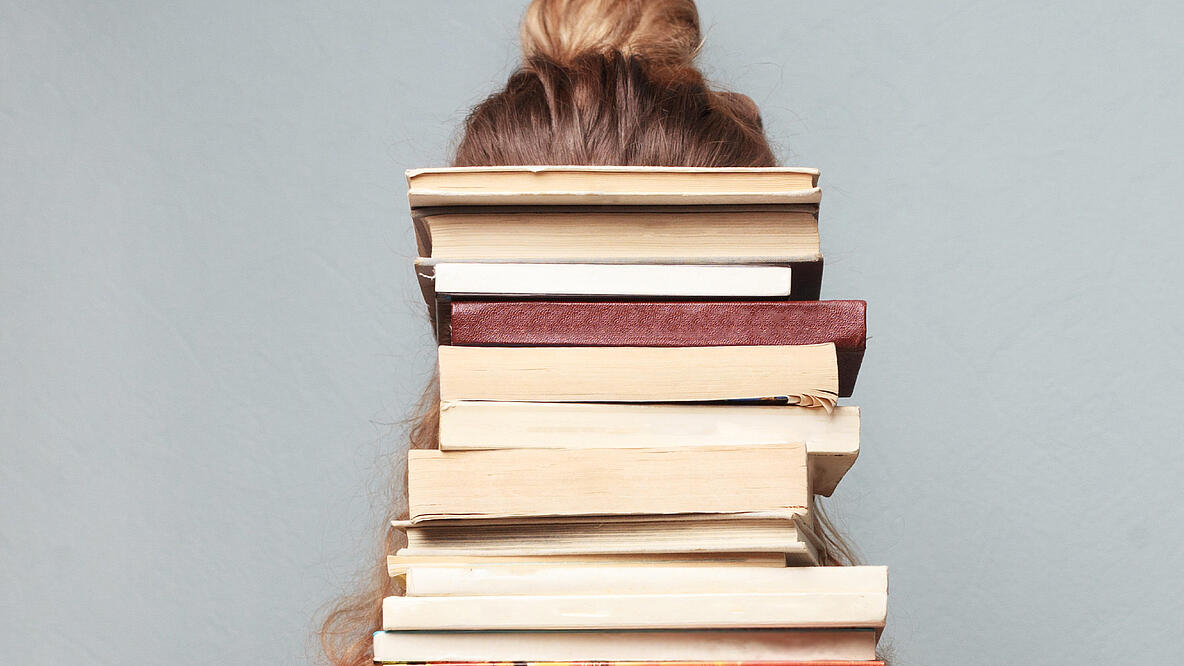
<point>831,439</point>
<point>725,610</point>
<point>806,375</point>
<point>737,645</point>
<point>790,537</point>
<point>610,185</point>
<point>515,483</point>
<point>570,279</point>
<point>478,581</point>
<point>705,234</point>
<point>399,563</point>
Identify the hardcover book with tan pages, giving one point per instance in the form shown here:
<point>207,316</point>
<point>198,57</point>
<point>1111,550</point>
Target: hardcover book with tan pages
<point>514,483</point>
<point>642,234</point>
<point>805,375</point>
<point>610,185</point>
<point>648,323</point>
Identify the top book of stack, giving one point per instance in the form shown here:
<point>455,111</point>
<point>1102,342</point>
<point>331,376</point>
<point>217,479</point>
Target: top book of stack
<point>544,219</point>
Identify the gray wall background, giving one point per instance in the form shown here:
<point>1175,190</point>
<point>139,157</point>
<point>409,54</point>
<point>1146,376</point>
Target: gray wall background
<point>210,332</point>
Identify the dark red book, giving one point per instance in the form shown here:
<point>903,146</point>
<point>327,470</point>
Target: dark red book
<point>661,324</point>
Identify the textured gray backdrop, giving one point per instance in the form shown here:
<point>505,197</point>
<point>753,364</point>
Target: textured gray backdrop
<point>208,322</point>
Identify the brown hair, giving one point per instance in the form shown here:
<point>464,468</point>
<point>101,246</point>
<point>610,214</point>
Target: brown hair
<point>603,82</point>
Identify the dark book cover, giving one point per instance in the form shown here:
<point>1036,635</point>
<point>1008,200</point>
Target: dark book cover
<point>650,323</point>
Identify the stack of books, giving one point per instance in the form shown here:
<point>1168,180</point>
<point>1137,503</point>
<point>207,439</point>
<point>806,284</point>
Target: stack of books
<point>638,391</point>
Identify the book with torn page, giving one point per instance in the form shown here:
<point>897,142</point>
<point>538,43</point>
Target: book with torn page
<point>831,438</point>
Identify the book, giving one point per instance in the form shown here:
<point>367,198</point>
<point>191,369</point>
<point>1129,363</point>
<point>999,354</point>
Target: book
<point>831,439</point>
<point>610,185</point>
<point>719,610</point>
<point>761,645</point>
<point>640,663</point>
<point>560,580</point>
<point>790,537</point>
<point>511,483</point>
<point>804,280</point>
<point>662,324</point>
<point>399,563</point>
<point>508,279</point>
<point>642,234</point>
<point>806,375</point>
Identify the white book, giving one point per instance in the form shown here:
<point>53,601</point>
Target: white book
<point>622,646</point>
<point>774,610</point>
<point>538,279</point>
<point>426,581</point>
<point>831,439</point>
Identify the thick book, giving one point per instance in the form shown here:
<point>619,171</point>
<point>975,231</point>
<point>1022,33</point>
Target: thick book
<point>796,281</point>
<point>610,185</point>
<point>831,439</point>
<point>662,324</point>
<point>559,580</point>
<point>720,610</point>
<point>790,537</point>
<point>805,375</point>
<point>641,234</point>
<point>737,645</point>
<point>513,483</point>
<point>401,562</point>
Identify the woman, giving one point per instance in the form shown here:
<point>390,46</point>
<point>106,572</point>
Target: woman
<point>602,82</point>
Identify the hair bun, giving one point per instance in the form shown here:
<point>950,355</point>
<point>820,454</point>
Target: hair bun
<point>663,32</point>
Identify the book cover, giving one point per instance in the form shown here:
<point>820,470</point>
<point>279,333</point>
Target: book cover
<point>651,323</point>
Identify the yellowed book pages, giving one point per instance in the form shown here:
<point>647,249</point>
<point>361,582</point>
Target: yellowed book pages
<point>736,645</point>
<point>560,580</point>
<point>788,536</point>
<point>607,185</point>
<point>770,610</point>
<point>805,374</point>
<point>831,439</point>
<point>610,233</point>
<point>399,563</point>
<point>605,482</point>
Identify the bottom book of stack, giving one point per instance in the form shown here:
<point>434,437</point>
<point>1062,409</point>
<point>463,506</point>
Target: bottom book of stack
<point>687,615</point>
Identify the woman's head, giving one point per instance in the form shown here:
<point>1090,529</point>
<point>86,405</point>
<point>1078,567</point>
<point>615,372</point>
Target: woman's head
<point>612,82</point>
